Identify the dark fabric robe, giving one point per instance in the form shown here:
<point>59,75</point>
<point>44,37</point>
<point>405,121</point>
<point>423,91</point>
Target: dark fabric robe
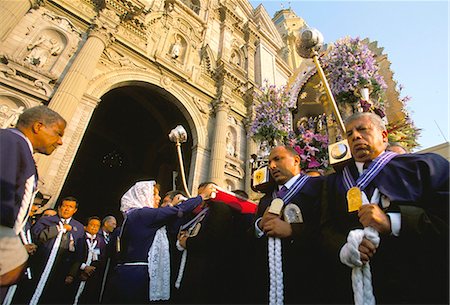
<point>410,268</point>
<point>301,259</point>
<point>91,292</point>
<point>208,273</point>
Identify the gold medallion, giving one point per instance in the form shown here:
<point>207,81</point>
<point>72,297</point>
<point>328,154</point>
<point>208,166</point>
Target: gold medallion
<point>276,206</point>
<point>354,199</point>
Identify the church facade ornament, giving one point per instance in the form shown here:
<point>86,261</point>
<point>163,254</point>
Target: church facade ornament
<point>201,55</point>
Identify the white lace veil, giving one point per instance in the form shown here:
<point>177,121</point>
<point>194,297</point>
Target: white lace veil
<point>138,196</point>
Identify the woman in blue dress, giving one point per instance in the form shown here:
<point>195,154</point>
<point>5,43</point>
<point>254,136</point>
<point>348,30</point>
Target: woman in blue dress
<point>143,271</point>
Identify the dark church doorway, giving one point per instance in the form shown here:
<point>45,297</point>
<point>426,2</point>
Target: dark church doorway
<point>126,141</point>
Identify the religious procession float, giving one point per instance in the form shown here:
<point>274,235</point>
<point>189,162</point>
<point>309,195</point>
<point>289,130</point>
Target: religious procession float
<point>332,82</point>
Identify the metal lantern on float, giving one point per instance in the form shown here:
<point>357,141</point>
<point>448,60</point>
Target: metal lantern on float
<point>178,135</point>
<point>309,43</point>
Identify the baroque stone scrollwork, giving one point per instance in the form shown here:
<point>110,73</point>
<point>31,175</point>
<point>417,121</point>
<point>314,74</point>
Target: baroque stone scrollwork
<point>222,104</point>
<point>105,26</point>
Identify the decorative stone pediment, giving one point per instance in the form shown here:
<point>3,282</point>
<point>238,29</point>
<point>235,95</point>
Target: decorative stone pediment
<point>18,74</point>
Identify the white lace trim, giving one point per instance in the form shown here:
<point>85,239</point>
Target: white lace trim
<point>159,267</point>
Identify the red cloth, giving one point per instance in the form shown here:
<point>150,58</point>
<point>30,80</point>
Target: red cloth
<point>245,206</point>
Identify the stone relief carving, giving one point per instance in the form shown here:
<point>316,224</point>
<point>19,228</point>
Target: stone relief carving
<point>61,22</point>
<point>201,107</point>
<point>121,60</point>
<point>42,49</point>
<point>9,116</point>
<point>166,82</point>
<point>14,70</point>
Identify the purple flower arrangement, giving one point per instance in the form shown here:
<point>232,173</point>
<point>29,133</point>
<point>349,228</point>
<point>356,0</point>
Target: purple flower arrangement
<point>351,66</point>
<point>272,122</point>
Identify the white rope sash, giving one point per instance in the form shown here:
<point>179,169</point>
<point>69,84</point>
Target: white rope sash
<point>350,256</point>
<point>91,256</point>
<point>9,295</point>
<point>276,294</point>
<point>182,266</point>
<point>276,286</point>
<point>26,239</point>
<point>48,266</point>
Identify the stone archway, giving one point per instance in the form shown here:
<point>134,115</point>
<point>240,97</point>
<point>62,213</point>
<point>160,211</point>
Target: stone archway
<point>126,141</point>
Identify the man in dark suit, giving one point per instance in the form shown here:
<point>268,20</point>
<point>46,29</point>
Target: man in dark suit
<point>38,130</point>
<point>298,235</point>
<point>89,284</point>
<point>405,200</point>
<point>61,248</point>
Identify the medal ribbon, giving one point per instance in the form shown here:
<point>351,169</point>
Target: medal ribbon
<point>374,168</point>
<point>295,188</point>
<point>189,225</point>
<point>195,220</point>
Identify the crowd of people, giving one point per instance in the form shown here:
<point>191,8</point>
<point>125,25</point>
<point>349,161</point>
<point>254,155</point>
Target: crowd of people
<point>376,230</point>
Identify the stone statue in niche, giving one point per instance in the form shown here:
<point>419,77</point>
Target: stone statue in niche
<point>234,59</point>
<point>230,146</point>
<point>42,49</point>
<point>177,48</point>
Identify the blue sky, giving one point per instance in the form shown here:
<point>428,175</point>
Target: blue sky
<point>414,35</point>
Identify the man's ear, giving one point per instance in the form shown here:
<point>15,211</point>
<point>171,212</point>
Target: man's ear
<point>297,159</point>
<point>36,126</point>
<point>384,133</point>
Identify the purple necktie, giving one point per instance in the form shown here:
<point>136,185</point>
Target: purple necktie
<point>282,192</point>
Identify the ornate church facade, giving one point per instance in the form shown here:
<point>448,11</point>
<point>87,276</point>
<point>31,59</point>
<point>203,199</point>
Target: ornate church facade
<point>123,73</point>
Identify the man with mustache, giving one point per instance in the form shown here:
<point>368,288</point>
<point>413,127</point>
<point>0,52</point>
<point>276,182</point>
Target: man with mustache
<point>294,277</point>
<point>403,207</point>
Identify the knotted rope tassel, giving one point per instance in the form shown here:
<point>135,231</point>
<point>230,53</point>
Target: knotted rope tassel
<point>361,275</point>
<point>276,293</point>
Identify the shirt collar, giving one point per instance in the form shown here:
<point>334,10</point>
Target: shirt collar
<point>360,165</point>
<point>66,220</point>
<point>290,182</point>
<point>90,235</point>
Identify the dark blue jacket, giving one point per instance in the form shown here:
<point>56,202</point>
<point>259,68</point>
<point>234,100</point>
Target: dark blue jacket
<point>16,167</point>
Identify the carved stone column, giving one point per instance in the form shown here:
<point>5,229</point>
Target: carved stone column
<point>72,88</point>
<point>218,147</point>
<point>252,37</point>
<point>11,11</point>
<point>251,146</point>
